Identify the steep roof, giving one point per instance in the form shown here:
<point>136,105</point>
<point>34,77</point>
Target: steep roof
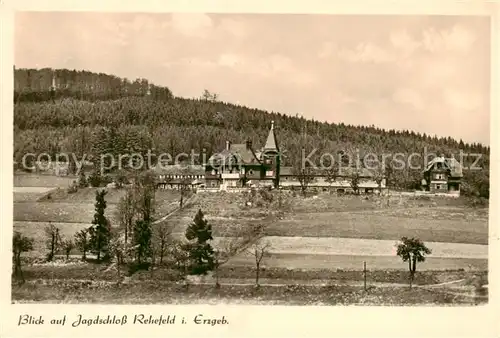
<point>450,164</point>
<point>237,153</point>
<point>271,142</point>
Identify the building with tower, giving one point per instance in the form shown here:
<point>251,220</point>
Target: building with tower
<point>240,165</point>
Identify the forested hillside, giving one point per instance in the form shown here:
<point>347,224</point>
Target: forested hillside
<point>92,113</point>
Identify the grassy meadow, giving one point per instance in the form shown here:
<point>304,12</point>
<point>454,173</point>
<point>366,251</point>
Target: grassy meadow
<point>439,220</point>
<point>45,199</point>
<point>317,240</point>
<point>170,293</point>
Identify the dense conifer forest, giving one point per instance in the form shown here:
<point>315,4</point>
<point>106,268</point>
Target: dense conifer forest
<point>95,113</point>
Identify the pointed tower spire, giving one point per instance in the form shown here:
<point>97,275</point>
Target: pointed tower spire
<point>271,142</point>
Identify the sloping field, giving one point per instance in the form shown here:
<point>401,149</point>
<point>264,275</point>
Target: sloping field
<point>86,195</point>
<point>36,230</point>
<point>374,225</point>
<point>367,225</point>
<point>34,190</point>
<point>58,212</point>
<point>51,181</point>
<point>438,220</point>
<point>79,207</point>
<point>30,194</point>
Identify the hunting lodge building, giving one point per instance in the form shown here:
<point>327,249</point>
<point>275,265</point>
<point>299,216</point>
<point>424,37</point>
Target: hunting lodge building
<point>240,166</point>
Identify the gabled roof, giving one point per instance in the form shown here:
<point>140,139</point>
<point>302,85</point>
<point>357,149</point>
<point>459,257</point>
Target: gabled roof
<point>271,142</point>
<point>450,164</point>
<point>237,154</point>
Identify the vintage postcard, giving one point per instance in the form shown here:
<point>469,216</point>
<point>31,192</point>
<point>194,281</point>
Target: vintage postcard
<point>219,170</point>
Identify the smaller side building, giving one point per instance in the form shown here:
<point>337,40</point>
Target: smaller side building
<point>177,176</point>
<point>442,175</point>
<point>341,182</point>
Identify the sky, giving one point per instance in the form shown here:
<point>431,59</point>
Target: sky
<point>424,73</point>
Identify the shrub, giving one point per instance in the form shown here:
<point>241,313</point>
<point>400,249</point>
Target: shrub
<point>73,188</point>
<point>136,266</point>
<point>82,180</point>
<point>95,179</point>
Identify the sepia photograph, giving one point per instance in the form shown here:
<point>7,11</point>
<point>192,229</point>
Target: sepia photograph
<point>250,159</point>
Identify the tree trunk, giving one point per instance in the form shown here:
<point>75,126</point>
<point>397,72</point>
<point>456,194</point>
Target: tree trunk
<point>19,269</point>
<point>411,271</point>
<point>162,250</point>
<point>414,268</point>
<point>216,270</point>
<point>52,247</point>
<point>15,272</point>
<point>118,263</point>
<point>152,266</point>
<point>257,275</point>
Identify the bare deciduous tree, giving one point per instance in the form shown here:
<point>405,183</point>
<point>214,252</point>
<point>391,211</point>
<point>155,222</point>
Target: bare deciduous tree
<point>208,96</point>
<point>20,244</point>
<point>126,212</point>
<point>331,173</point>
<point>259,251</point>
<point>162,238</point>
<point>67,245</point>
<point>304,176</point>
<point>185,190</point>
<point>53,240</point>
<point>355,178</point>
<point>82,242</point>
<point>119,249</point>
<point>234,243</point>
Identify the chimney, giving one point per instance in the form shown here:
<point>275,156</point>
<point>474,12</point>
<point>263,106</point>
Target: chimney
<point>228,144</point>
<point>249,144</point>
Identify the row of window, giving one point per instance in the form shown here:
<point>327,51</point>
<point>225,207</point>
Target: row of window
<point>162,177</point>
<point>269,173</point>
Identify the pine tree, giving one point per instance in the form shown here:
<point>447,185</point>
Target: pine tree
<point>200,252</point>
<point>100,231</point>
